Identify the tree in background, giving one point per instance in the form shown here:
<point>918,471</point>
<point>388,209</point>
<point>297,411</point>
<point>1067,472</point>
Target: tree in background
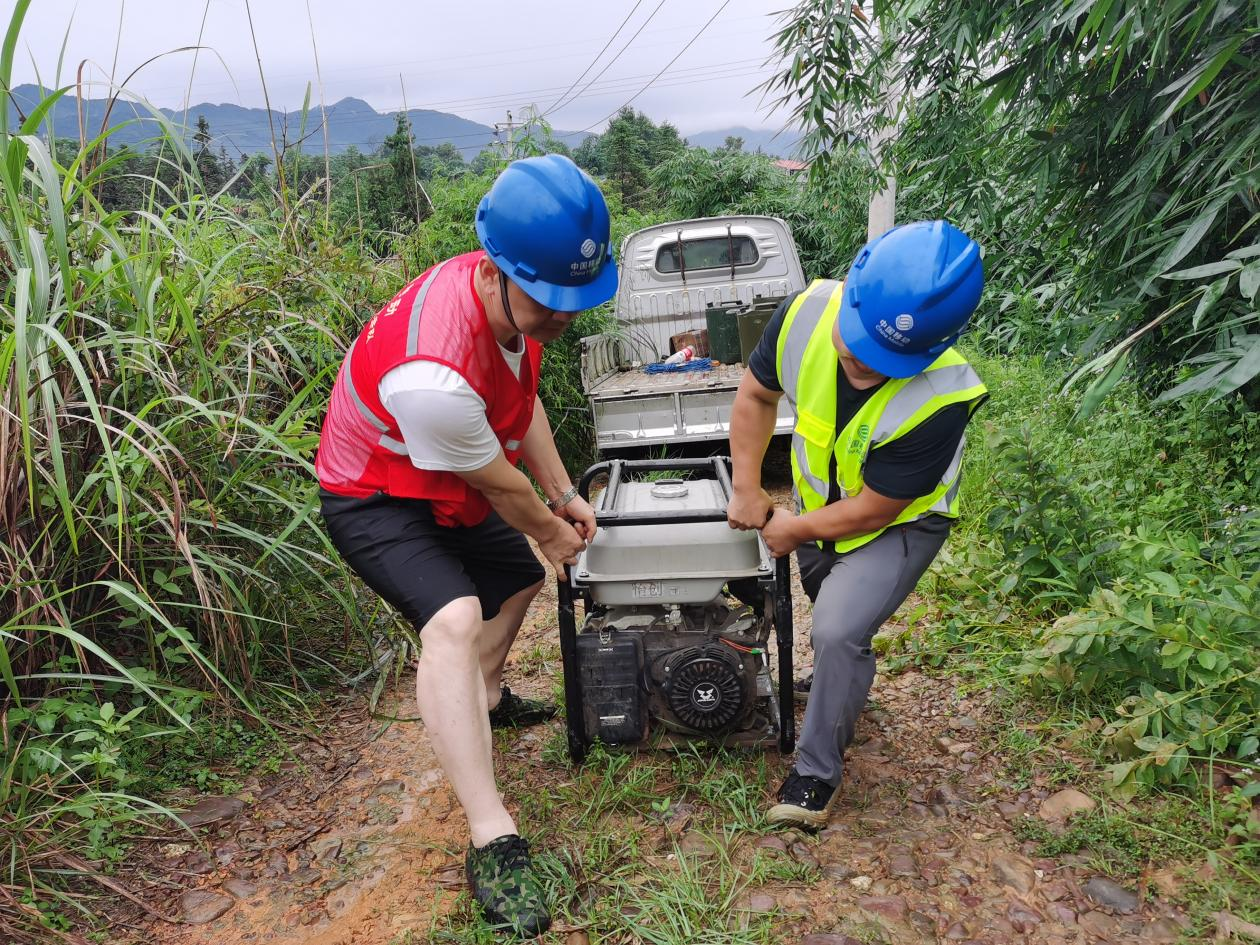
<point>382,195</point>
<point>827,218</point>
<point>255,177</point>
<point>208,167</point>
<point>1125,134</point>
<point>627,151</point>
<point>484,161</point>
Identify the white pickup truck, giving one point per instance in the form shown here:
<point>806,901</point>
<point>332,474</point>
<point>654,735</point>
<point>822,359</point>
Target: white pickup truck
<point>672,275</point>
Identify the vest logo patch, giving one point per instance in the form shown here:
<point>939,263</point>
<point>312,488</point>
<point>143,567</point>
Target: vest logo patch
<point>858,443</point>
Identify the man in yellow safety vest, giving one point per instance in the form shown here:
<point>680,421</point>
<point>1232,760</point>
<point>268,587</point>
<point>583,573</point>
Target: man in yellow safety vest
<point>881,399</point>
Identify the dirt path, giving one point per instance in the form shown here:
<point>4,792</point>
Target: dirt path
<point>365,847</point>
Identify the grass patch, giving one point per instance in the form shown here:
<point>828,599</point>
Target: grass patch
<point>608,841</point>
<point>1118,843</point>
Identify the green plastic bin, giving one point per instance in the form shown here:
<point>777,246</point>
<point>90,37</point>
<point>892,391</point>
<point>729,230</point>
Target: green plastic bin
<point>723,325</point>
<point>752,323</point>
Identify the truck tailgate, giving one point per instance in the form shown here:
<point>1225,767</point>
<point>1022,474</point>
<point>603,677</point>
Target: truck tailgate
<point>634,408</point>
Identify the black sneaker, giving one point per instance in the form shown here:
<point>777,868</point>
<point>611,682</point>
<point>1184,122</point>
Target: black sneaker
<point>804,801</point>
<point>515,712</point>
<point>800,688</point>
<point>503,882</point>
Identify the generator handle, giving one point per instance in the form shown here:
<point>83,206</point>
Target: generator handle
<point>783,644</point>
<point>568,659</point>
<point>614,468</point>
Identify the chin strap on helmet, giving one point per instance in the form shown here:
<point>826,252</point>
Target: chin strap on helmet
<point>507,306</point>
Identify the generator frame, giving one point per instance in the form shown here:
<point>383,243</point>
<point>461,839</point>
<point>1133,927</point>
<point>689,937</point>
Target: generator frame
<point>778,588</point>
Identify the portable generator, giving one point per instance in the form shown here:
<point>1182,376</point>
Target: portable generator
<point>678,611</point>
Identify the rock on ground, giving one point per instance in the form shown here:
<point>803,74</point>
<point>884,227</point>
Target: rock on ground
<point>1111,894</point>
<point>211,810</point>
<point>1014,871</point>
<point>201,905</point>
<point>1066,804</point>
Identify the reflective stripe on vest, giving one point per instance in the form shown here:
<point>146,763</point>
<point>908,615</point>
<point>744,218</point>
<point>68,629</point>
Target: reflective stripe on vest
<point>437,317</point>
<point>413,323</point>
<point>413,345</point>
<point>807,363</point>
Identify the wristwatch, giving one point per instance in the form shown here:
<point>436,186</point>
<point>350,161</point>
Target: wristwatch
<point>563,499</point>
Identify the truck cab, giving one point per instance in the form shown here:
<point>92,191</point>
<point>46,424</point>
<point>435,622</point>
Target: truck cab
<point>678,278</point>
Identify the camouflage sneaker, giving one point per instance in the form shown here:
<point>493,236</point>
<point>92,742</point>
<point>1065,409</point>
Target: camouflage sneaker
<point>502,879</point>
<point>515,712</point>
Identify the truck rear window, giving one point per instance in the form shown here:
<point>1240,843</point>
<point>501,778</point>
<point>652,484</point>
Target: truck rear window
<point>713,252</point>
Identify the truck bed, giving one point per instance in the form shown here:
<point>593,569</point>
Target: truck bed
<point>633,408</point>
<point>639,381</point>
<point>672,274</point>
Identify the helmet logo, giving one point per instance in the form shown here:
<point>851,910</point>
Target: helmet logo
<point>905,322</point>
<point>588,268</point>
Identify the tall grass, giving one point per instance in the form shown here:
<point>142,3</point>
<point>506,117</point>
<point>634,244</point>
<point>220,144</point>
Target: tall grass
<point>164,370</point>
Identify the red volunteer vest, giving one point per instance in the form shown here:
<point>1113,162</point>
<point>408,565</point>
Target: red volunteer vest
<point>437,317</point>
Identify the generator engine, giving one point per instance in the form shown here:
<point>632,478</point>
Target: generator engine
<point>678,612</point>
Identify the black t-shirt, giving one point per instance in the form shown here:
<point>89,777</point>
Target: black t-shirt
<point>907,468</point>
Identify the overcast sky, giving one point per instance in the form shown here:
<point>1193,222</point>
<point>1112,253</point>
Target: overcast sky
<point>476,59</point>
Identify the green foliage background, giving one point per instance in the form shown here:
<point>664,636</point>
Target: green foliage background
<point>1103,151</point>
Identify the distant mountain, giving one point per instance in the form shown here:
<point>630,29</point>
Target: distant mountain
<point>770,141</point>
<point>351,121</point>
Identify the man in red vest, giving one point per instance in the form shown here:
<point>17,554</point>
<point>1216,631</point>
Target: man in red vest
<point>435,403</point>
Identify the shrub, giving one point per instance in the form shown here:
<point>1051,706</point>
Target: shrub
<point>1173,644</point>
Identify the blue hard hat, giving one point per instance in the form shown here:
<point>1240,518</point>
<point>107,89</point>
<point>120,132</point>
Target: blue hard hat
<point>545,224</point>
<point>909,294</point>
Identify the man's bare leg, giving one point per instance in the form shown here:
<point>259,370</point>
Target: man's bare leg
<point>497,636</point>
<point>451,694</point>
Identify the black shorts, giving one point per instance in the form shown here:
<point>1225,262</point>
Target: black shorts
<point>419,566</point>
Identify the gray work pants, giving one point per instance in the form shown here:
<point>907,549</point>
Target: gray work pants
<point>853,594</point>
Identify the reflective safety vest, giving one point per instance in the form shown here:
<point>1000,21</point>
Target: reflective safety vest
<point>806,364</point>
<point>437,317</point>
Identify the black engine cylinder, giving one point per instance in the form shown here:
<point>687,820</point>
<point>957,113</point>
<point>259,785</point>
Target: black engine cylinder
<point>705,687</point>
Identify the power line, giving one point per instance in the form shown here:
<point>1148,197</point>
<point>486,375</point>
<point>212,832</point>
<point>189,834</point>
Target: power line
<point>608,65</point>
<point>680,77</point>
<point>597,55</point>
<point>498,100</point>
<point>725,4</point>
<point>391,68</point>
<point>488,136</point>
<point>709,72</point>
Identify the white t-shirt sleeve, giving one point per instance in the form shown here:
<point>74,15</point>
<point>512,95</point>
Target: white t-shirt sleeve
<point>442,419</point>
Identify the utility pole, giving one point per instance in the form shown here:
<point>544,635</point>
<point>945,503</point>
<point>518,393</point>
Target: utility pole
<point>882,211</point>
<point>506,145</point>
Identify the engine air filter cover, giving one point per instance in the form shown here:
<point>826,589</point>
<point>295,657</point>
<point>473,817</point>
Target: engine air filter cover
<point>705,687</point>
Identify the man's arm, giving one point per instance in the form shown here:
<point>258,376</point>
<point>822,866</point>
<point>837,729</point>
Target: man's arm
<point>865,512</point>
<point>753,416</point>
<point>510,493</point>
<point>443,422</point>
<point>538,449</point>
<point>895,475</point>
